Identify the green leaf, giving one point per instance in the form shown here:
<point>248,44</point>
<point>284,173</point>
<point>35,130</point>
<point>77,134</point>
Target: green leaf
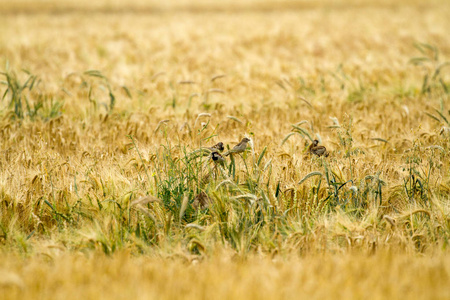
<point>50,205</point>
<point>315,173</point>
<point>261,156</point>
<point>442,116</point>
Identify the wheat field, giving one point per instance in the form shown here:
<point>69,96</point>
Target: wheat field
<point>107,190</point>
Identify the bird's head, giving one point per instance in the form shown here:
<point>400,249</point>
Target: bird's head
<point>220,146</point>
<point>215,156</point>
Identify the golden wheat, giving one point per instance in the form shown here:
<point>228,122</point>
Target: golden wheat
<point>105,191</point>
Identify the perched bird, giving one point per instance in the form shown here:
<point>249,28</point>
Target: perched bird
<point>201,201</point>
<point>217,158</point>
<point>239,148</point>
<point>217,147</point>
<point>314,148</point>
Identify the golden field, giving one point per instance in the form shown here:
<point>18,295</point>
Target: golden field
<point>105,191</point>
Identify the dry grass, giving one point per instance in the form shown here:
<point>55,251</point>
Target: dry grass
<point>325,277</point>
<point>98,179</point>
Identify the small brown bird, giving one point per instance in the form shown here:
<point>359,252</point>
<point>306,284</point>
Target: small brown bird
<point>217,147</point>
<point>201,201</point>
<point>217,158</point>
<point>239,148</point>
<point>314,148</point>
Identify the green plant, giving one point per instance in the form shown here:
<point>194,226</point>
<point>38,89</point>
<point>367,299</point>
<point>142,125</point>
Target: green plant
<point>19,94</point>
<point>432,66</point>
<point>441,118</point>
<point>26,100</point>
<point>102,83</point>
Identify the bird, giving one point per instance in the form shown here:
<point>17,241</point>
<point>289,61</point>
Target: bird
<point>314,148</point>
<point>239,148</point>
<point>201,201</point>
<point>218,158</point>
<point>217,147</point>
